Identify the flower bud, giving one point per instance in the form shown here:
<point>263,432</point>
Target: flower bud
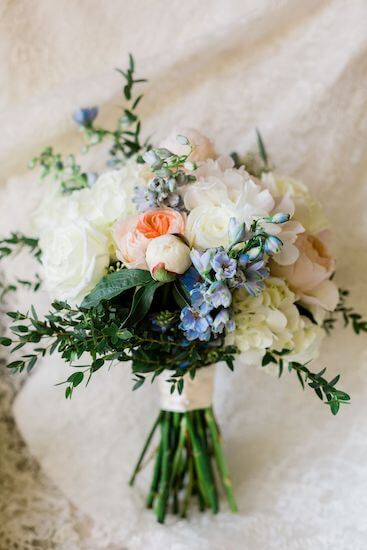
<point>167,253</point>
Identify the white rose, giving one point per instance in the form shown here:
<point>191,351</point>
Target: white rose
<point>219,184</point>
<point>207,226</point>
<point>75,257</point>
<point>168,252</point>
<point>111,196</point>
<point>202,146</point>
<point>55,208</point>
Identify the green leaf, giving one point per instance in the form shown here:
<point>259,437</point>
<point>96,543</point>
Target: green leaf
<point>268,358</point>
<point>5,341</point>
<point>138,383</point>
<point>262,150</point>
<point>114,284</point>
<point>18,365</point>
<point>141,366</point>
<point>142,301</point>
<point>76,378</point>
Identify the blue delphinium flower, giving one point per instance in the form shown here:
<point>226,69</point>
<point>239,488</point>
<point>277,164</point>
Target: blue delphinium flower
<point>202,260</point>
<point>250,275</point>
<point>190,278</point>
<point>143,198</point>
<point>255,275</point>
<point>224,266</point>
<point>198,300</point>
<point>195,326</point>
<point>84,117</point>
<point>218,294</point>
<point>223,321</point>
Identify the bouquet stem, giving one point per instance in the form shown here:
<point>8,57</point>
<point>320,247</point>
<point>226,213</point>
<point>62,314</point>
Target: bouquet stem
<point>189,451</point>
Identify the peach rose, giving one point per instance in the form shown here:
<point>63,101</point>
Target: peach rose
<point>132,235</point>
<point>202,146</point>
<point>309,276</point>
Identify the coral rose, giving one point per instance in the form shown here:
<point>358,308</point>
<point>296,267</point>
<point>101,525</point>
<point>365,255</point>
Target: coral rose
<point>309,276</point>
<point>132,235</point>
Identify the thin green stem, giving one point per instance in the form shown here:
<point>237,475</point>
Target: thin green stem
<point>145,448</point>
<point>155,479</point>
<point>163,491</point>
<point>219,456</point>
<point>201,463</point>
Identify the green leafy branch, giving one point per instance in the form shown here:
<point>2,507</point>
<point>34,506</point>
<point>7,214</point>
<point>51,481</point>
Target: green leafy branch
<point>16,242</point>
<point>66,171</point>
<point>326,391</point>
<point>347,314</point>
<point>126,138</point>
<point>13,245</point>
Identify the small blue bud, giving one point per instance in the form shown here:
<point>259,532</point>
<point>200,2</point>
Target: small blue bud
<point>84,117</point>
<point>281,217</point>
<point>273,245</point>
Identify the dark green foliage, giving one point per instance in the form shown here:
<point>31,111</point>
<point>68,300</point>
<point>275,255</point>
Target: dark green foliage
<point>114,284</point>
<point>347,314</point>
<point>114,324</point>
<point>125,138</point>
<point>326,391</point>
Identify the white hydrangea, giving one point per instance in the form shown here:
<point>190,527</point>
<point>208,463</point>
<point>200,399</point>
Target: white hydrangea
<point>272,321</point>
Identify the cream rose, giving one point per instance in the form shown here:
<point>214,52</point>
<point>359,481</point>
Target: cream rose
<point>207,226</point>
<point>75,257</point>
<point>308,211</point>
<point>309,276</point>
<point>202,146</point>
<point>168,252</point>
<point>220,184</point>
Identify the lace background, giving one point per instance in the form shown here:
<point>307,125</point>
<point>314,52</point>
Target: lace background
<point>295,69</point>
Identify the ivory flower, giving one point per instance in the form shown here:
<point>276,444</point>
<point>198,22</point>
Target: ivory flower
<point>74,257</point>
<point>307,210</point>
<point>168,252</point>
<point>220,184</point>
<point>270,320</point>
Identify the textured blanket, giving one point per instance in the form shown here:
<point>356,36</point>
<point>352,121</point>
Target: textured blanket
<point>296,70</point>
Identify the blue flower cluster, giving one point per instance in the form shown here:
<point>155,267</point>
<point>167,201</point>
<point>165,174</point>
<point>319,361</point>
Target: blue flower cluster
<point>217,273</point>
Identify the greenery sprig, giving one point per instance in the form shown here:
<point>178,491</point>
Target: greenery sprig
<point>106,331</point>
<point>126,137</point>
<point>16,242</point>
<point>326,391</point>
<point>65,171</point>
<point>347,314</point>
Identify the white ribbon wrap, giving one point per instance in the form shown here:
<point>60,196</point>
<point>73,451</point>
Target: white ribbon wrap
<point>196,394</point>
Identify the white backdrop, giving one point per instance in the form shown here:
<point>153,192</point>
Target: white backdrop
<point>295,69</point>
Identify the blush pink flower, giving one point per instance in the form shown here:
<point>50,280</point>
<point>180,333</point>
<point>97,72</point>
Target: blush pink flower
<point>309,276</point>
<point>132,235</point>
<point>202,146</point>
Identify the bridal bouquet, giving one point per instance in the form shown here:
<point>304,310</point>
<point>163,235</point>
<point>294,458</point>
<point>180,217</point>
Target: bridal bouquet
<point>174,259</point>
